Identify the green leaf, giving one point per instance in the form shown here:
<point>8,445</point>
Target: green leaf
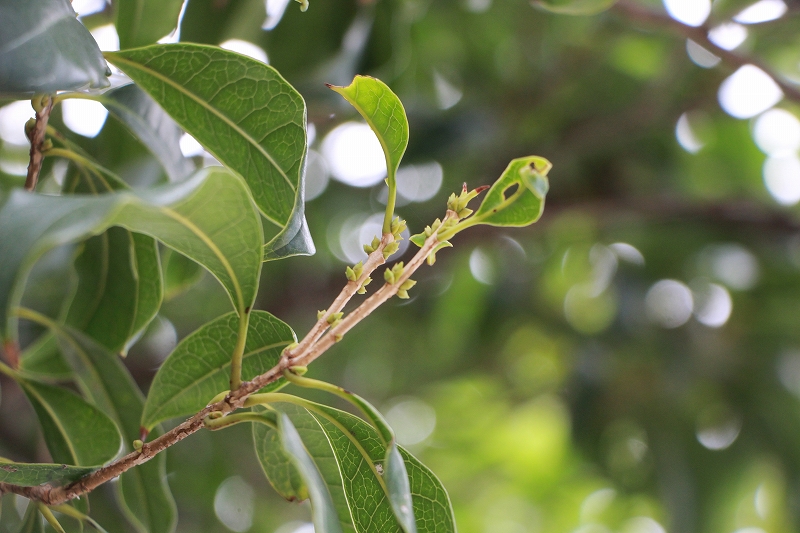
<point>199,367</point>
<point>152,126</point>
<point>32,474</point>
<point>243,112</point>
<point>507,205</point>
<point>108,384</point>
<point>42,360</point>
<point>180,273</point>
<point>141,22</point>
<point>76,432</point>
<point>384,113</point>
<point>575,7</point>
<point>278,467</point>
<point>209,218</point>
<point>323,511</point>
<point>44,49</point>
<point>32,522</point>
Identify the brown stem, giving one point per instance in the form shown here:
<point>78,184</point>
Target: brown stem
<point>54,495</point>
<point>37,136</point>
<point>638,14</point>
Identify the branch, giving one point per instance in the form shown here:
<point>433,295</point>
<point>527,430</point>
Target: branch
<point>638,14</point>
<point>37,135</point>
<point>311,347</point>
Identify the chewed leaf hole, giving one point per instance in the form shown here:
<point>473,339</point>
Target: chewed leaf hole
<point>510,190</point>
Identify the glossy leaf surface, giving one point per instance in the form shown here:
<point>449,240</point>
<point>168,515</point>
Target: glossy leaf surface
<point>209,218</point>
<point>278,467</point>
<point>32,474</point>
<point>199,367</point>
<point>141,22</point>
<point>517,197</point>
<point>66,55</point>
<point>240,110</point>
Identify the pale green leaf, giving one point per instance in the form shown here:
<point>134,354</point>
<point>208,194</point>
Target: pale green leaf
<point>32,474</point>
<point>152,126</point>
<point>323,511</point>
<point>517,197</point>
<point>42,360</point>
<point>76,432</point>
<point>277,466</point>
<point>44,49</point>
<point>141,22</point>
<point>199,367</point>
<point>209,218</point>
<point>180,273</point>
<point>575,7</point>
<point>243,112</point>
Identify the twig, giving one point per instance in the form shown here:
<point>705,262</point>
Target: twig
<point>638,14</point>
<point>311,350</point>
<point>37,135</point>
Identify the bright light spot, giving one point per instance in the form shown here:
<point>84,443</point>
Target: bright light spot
<point>233,504</point>
<point>106,37</point>
<point>604,266</point>
<point>311,133</point>
<point>189,146</point>
<point>762,11</point>
<point>750,530</point>
<point>418,183</point>
<point>686,136</point>
<point>761,501</point>
<point>87,7</point>
<point>788,369</point>
<point>355,155</point>
<point>59,171</point>
<point>12,122</point>
<point>175,35</point>
<point>317,175</point>
<point>296,527</point>
<point>14,161</point>
<point>447,93</point>
<point>689,12</point>
<point>246,49</point>
<point>728,36</point>
<point>413,421</point>
<point>358,230</point>
<point>713,305</point>
<point>748,92</point>
<point>275,10</point>
<point>700,56</point>
<point>84,117</point>
<point>777,133</point>
<point>642,524</point>
<point>480,264</point>
<point>669,303</point>
<point>596,503</point>
<point>478,6</point>
<point>161,338</point>
<point>734,265</point>
<point>210,161</point>
<point>718,429</point>
<point>782,178</point>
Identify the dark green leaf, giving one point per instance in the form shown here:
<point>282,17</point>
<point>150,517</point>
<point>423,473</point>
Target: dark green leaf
<point>151,125</point>
<point>279,469</point>
<point>105,380</point>
<point>384,113</point>
<point>323,511</point>
<point>32,474</point>
<point>209,218</point>
<point>43,360</point>
<point>141,22</point>
<point>575,7</point>
<point>242,111</point>
<point>517,197</point>
<point>44,49</point>
<point>180,273</point>
<point>199,367</point>
<point>76,432</point>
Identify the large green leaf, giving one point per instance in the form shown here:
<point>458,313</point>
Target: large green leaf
<point>209,218</point>
<point>32,474</point>
<point>325,517</point>
<point>151,125</point>
<point>108,384</point>
<point>517,197</point>
<point>44,49</point>
<point>76,432</point>
<point>384,113</point>
<point>42,360</point>
<point>141,22</point>
<point>240,110</point>
<point>277,466</point>
<point>199,367</point>
<point>180,273</point>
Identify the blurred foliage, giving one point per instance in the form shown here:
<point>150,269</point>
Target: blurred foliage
<point>561,401</point>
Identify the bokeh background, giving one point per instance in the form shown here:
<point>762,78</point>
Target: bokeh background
<point>631,363</point>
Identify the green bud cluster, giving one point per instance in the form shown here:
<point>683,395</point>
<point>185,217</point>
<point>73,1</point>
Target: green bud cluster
<point>321,314</point>
<point>402,292</point>
<point>137,445</point>
<point>432,257</point>
<point>398,227</point>
<point>369,248</point>
<point>459,203</point>
<point>392,275</point>
<point>390,249</point>
<point>363,288</point>
<point>354,272</point>
<point>334,319</point>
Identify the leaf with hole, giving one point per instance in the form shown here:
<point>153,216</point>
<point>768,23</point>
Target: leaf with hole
<point>44,48</point>
<point>517,197</point>
<point>199,367</point>
<point>243,112</point>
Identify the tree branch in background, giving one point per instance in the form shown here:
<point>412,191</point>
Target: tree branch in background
<point>641,15</point>
<point>36,134</point>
